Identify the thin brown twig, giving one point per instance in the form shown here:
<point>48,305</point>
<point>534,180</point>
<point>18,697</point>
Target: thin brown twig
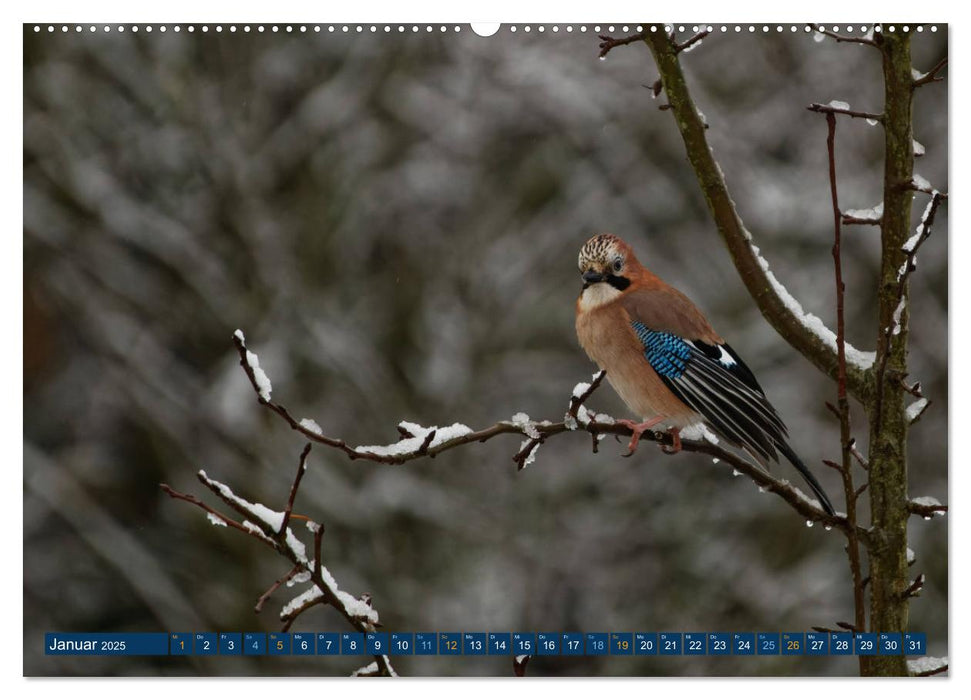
<point>842,38</point>
<point>280,542</point>
<point>688,43</point>
<point>931,671</point>
<point>318,540</point>
<point>856,114</point>
<point>301,468</point>
<point>597,425</point>
<point>846,441</point>
<point>855,451</point>
<point>926,510</point>
<point>849,220</point>
<point>272,589</point>
<point>770,297</point>
<point>608,43</point>
<point>906,269</point>
<point>912,389</point>
<point>914,589</point>
<point>931,75</point>
<point>189,498</point>
<point>577,400</point>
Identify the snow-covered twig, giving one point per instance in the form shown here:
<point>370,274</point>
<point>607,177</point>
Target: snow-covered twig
<point>915,587</point>
<point>903,274</point>
<point>847,442</point>
<point>537,432</point>
<point>841,38</point>
<point>804,332</point>
<point>930,76</point>
<point>690,43</point>
<point>273,588</point>
<point>608,43</point>
<point>864,217</point>
<point>926,507</point>
<point>843,108</point>
<point>914,411</point>
<point>271,528</point>
<point>927,666</point>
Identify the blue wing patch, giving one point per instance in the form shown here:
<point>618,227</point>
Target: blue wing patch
<point>667,353</point>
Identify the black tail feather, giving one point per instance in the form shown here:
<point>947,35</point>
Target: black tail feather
<point>810,479</point>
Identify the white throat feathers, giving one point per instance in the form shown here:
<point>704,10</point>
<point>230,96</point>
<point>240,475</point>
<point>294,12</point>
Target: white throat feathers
<point>597,295</point>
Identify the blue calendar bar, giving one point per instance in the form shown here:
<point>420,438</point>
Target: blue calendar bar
<point>402,643</point>
<point>482,643</point>
<point>743,643</point>
<point>548,644</point>
<point>817,643</point>
<point>669,643</point>
<point>891,643</point>
<point>206,643</point>
<point>303,643</point>
<point>694,644</point>
<point>719,643</point>
<point>106,644</point>
<point>572,644</point>
<point>866,643</point>
<point>474,644</point>
<point>915,643</point>
<point>645,643</point>
<point>500,643</point>
<point>793,643</point>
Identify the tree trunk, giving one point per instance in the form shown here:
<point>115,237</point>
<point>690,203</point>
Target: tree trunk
<point>888,423</point>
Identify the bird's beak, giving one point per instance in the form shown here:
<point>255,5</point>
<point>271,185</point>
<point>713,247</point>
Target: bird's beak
<point>591,277</point>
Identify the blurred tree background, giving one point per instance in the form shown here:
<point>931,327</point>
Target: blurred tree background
<point>393,219</point>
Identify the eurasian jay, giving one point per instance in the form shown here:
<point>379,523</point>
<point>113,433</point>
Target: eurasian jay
<point>666,361</point>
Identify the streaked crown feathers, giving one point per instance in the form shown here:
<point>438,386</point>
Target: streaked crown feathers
<point>601,250</point>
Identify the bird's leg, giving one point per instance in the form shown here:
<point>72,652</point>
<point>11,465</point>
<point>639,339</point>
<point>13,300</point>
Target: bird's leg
<point>638,430</point>
<point>675,442</point>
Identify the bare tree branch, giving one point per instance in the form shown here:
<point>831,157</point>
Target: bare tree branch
<point>926,508</point>
<point>900,294</point>
<point>927,666</point>
<point>608,43</point>
<point>688,43</point>
<point>272,589</point>
<point>842,38</point>
<point>931,75</point>
<point>261,523</point>
<point>804,332</point>
<point>846,442</point>
<point>830,109</point>
<point>578,419</point>
<point>914,589</point>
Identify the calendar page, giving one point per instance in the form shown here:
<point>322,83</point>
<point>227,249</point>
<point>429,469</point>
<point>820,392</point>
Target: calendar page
<point>606,349</point>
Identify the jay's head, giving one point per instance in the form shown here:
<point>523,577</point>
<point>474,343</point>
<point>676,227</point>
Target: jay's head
<point>606,259</point>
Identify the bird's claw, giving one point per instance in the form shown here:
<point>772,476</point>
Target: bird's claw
<point>675,446</point>
<point>638,429</point>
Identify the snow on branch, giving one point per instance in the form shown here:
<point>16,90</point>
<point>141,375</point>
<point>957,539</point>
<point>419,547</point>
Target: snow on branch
<point>805,332</point>
<point>914,411</point>
<point>926,506</point>
<point>271,528</point>
<point>910,247</point>
<point>866,39</point>
<point>837,107</point>
<point>930,76</point>
<point>858,359</point>
<point>864,217</point>
<point>927,665</point>
<point>420,442</point>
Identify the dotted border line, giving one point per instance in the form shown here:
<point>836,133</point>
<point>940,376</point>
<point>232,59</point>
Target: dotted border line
<point>414,28</point>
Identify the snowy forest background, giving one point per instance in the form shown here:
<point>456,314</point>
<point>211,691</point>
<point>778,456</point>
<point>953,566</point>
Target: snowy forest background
<point>393,220</point>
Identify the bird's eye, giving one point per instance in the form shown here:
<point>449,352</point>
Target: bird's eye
<point>618,265</point>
